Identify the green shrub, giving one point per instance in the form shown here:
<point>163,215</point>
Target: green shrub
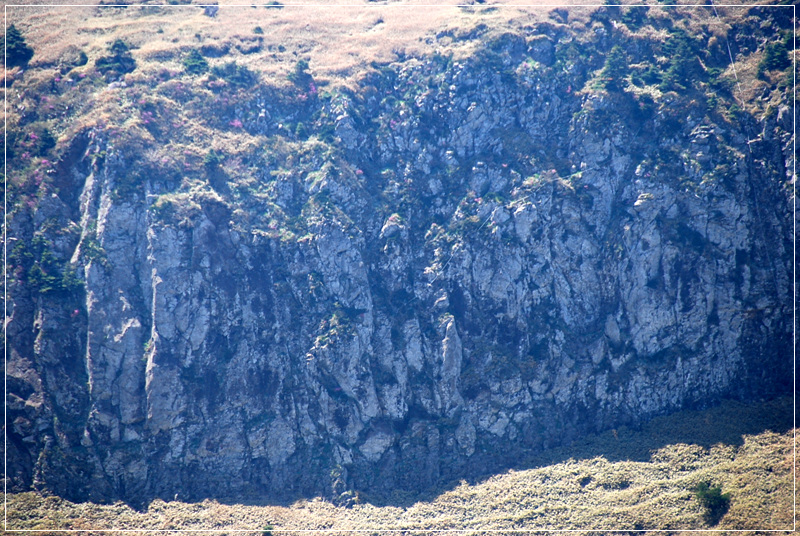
<point>119,48</point>
<point>235,74</point>
<point>717,82</point>
<point>194,63</point>
<point>258,30</point>
<point>93,251</point>
<point>18,53</point>
<point>684,65</point>
<point>615,69</point>
<point>118,63</point>
<point>46,142</point>
<point>634,17</point>
<point>713,500</point>
<point>267,531</point>
<point>212,160</point>
<point>651,75</point>
<point>776,57</point>
<point>41,271</point>
<point>300,75</point>
<point>37,142</point>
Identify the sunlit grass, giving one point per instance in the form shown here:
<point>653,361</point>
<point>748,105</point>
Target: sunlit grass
<point>338,40</point>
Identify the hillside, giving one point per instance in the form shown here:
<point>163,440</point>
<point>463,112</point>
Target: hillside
<point>278,252</point>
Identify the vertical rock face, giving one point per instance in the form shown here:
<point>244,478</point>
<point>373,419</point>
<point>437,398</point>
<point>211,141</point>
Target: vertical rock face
<point>486,262</point>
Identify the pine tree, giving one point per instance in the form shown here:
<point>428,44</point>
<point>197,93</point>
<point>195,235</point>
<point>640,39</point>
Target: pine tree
<point>684,66</point>
<point>18,53</point>
<point>615,69</point>
<point>776,57</point>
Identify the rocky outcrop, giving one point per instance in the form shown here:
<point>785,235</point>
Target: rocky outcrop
<point>486,258</point>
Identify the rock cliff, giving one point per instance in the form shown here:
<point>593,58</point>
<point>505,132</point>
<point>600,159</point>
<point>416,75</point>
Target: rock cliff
<point>224,286</point>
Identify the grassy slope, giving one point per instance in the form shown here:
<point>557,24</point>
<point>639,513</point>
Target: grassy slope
<point>623,479</point>
<point>339,41</point>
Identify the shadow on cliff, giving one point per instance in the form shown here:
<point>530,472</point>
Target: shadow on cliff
<point>726,424</point>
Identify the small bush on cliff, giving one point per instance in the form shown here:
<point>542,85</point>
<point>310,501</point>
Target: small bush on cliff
<point>300,76</point>
<point>684,65</point>
<point>717,81</point>
<point>776,57</point>
<point>212,160</point>
<point>235,74</point>
<point>194,63</point>
<point>615,69</point>
<point>38,141</point>
<point>118,63</point>
<point>38,267</point>
<point>18,53</point>
<point>713,500</point>
<point>634,17</point>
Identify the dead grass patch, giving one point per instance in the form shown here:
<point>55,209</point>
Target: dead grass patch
<point>338,41</point>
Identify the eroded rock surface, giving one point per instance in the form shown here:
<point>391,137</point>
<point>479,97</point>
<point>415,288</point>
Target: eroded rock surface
<point>486,258</point>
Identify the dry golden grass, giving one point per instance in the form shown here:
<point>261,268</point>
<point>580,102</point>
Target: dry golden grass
<point>583,490</point>
<point>338,40</point>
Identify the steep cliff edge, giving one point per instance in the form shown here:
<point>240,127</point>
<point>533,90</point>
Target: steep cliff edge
<point>225,285</point>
